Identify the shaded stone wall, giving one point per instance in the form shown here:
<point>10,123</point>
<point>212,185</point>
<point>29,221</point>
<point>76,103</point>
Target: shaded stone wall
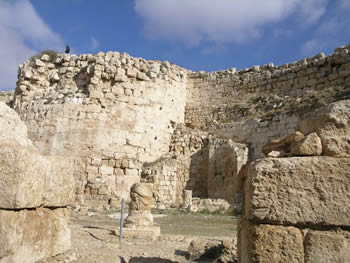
<point>199,162</point>
<point>109,112</point>
<point>225,163</point>
<point>184,167</point>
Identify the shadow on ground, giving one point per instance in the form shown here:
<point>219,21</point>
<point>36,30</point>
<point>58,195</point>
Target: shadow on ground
<point>150,260</point>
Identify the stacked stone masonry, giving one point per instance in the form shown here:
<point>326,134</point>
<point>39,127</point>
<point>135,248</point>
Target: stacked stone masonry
<point>297,209</point>
<point>115,116</point>
<point>109,112</point>
<point>251,105</point>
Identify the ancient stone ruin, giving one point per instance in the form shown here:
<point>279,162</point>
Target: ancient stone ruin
<point>123,120</point>
<point>139,223</point>
<point>34,193</point>
<point>296,208</point>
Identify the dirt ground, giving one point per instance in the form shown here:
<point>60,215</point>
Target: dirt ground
<point>94,239</point>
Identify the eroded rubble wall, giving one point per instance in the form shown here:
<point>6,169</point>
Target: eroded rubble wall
<point>109,113</point>
<point>265,102</point>
<point>116,116</point>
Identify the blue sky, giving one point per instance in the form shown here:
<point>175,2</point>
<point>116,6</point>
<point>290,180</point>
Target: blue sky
<point>205,35</point>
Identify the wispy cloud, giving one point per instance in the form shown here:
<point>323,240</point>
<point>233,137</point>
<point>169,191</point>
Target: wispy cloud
<point>331,32</point>
<point>23,33</point>
<point>221,21</point>
<point>94,43</point>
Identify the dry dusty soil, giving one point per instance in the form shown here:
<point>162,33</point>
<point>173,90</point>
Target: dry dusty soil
<point>94,239</point>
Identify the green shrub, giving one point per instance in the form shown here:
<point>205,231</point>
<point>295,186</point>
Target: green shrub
<point>51,53</point>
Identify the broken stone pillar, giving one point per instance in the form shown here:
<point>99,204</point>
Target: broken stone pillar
<point>187,199</point>
<point>139,223</point>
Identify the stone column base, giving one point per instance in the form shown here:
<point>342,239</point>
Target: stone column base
<point>148,233</point>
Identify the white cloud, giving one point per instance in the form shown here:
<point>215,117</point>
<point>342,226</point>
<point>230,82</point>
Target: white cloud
<point>94,43</point>
<point>331,32</point>
<point>23,33</point>
<point>220,21</point>
<point>345,3</point>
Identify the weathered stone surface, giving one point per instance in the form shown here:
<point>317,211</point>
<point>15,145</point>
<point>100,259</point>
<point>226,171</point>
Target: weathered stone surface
<point>22,173</point>
<point>141,197</point>
<point>327,246</point>
<point>30,180</point>
<point>270,244</point>
<point>140,207</point>
<point>27,178</point>
<point>27,236</point>
<point>223,251</point>
<point>282,146</point>
<point>225,160</point>
<point>309,146</point>
<point>332,125</point>
<point>299,190</point>
<point>11,126</point>
<point>59,182</point>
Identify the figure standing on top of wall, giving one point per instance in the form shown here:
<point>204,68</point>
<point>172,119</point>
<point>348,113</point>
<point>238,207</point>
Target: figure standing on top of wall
<point>67,49</point>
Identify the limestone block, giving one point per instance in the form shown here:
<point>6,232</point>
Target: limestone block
<point>299,190</point>
<point>59,182</point>
<point>309,146</point>
<point>142,76</point>
<point>332,125</point>
<point>131,172</point>
<point>327,246</point>
<point>270,244</point>
<point>28,73</point>
<point>45,58</point>
<point>144,233</point>
<point>283,146</point>
<point>39,63</point>
<point>131,73</point>
<point>96,161</point>
<point>29,179</point>
<point>11,126</point>
<point>28,236</point>
<point>22,173</point>
<point>105,170</point>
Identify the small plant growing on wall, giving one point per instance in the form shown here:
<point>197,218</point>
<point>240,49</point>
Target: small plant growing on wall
<point>51,53</point>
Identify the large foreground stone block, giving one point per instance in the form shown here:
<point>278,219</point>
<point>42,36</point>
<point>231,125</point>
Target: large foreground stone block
<point>11,126</point>
<point>270,244</point>
<point>28,179</point>
<point>327,246</point>
<point>299,190</point>
<point>30,235</point>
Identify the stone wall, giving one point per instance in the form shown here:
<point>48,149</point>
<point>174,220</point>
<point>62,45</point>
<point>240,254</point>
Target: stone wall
<point>265,101</point>
<point>184,167</point>
<point>226,159</point>
<point>296,209</point>
<point>199,162</point>
<point>116,117</point>
<point>108,112</point>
